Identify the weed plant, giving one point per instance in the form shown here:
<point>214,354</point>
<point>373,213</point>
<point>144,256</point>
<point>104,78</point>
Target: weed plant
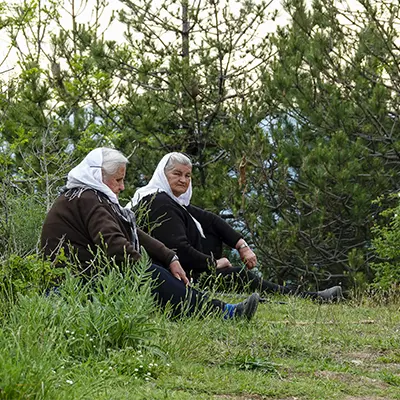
<point>386,246</point>
<point>23,275</point>
<point>107,322</point>
<point>20,222</point>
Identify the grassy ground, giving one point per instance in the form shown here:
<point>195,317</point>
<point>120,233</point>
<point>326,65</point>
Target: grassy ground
<point>56,349</point>
<point>297,350</point>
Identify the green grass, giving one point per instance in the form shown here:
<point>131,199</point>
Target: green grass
<point>86,345</point>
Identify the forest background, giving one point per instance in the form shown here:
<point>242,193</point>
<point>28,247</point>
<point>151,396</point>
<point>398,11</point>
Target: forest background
<point>293,127</point>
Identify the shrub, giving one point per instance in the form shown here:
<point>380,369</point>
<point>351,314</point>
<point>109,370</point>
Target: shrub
<point>113,310</point>
<point>46,339</point>
<point>386,245</point>
<point>21,222</point>
<point>22,275</point>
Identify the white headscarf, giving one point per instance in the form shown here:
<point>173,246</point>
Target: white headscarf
<point>88,174</point>
<point>159,183</point>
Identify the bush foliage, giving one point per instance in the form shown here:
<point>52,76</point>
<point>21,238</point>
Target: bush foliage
<point>386,244</point>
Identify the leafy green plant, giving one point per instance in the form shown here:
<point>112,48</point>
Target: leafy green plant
<point>21,275</point>
<point>21,220</point>
<point>27,215</point>
<point>386,246</point>
<point>138,364</point>
<point>80,323</point>
<point>111,310</point>
<point>391,378</point>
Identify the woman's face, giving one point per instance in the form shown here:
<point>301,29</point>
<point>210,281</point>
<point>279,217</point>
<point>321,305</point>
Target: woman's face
<point>179,178</point>
<point>116,182</point>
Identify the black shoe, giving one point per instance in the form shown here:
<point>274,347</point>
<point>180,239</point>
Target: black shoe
<point>330,294</point>
<point>247,308</point>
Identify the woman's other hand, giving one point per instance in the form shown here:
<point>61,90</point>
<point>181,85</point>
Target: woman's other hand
<point>223,263</point>
<point>178,272</point>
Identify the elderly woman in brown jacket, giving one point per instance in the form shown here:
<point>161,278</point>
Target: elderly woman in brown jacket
<point>87,215</point>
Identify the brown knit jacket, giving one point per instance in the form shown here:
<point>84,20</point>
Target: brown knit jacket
<point>88,221</point>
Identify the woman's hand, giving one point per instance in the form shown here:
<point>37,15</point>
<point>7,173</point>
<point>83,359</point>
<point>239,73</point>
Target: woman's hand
<point>178,272</point>
<point>248,257</point>
<point>223,263</point>
<point>246,254</point>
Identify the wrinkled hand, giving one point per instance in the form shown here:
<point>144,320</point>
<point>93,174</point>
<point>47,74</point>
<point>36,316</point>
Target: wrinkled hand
<point>248,257</point>
<point>178,272</point>
<point>223,263</point>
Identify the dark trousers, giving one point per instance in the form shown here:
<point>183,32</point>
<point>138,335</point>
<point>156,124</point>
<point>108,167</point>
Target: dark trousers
<point>240,278</point>
<point>183,300</point>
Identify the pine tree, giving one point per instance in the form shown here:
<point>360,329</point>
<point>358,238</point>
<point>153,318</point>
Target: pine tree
<point>330,112</point>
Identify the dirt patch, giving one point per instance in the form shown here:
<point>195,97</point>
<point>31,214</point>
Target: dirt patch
<point>364,398</point>
<point>363,356</point>
<point>240,397</point>
<point>356,380</point>
<point>253,397</point>
<point>372,361</point>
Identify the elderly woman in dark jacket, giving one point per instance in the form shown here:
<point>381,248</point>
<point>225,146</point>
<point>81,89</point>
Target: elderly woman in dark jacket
<point>197,235</point>
<point>88,215</point>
